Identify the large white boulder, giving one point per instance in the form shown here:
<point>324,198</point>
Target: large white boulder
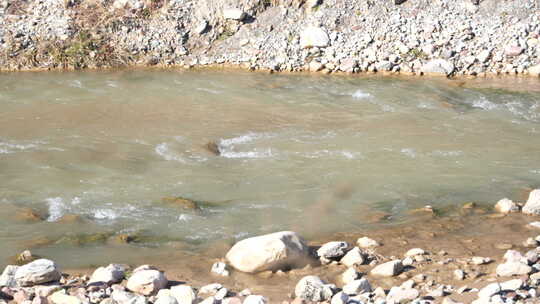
<point>314,36</point>
<point>147,282</point>
<point>533,203</point>
<point>113,273</point>
<point>266,252</point>
<point>37,272</point>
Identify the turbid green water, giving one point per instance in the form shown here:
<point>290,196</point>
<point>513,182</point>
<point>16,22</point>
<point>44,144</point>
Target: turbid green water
<point>312,154</point>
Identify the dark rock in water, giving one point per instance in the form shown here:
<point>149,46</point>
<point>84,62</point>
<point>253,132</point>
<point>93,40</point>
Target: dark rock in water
<point>398,2</point>
<point>213,148</point>
<point>181,202</point>
<point>86,238</point>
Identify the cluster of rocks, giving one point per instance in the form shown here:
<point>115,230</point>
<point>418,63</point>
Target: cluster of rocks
<point>514,277</point>
<point>41,282</point>
<point>417,37</point>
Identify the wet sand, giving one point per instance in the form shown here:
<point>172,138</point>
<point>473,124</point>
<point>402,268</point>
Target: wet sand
<point>473,232</point>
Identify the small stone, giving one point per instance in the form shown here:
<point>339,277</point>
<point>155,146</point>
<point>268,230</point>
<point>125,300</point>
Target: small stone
<point>512,51</point>
<point>388,269</point>
<point>147,282</point>
<point>220,269</point>
<point>60,297</point>
<point>483,56</point>
<point>415,252</point>
<point>184,294</point>
<point>111,274</point>
<point>350,275</point>
<point>333,250</point>
<point>534,70</point>
<point>166,299</point>
<point>408,261</point>
<point>438,66</point>
<point>201,28</point>
<point>234,14</point>
<point>211,289</point>
<point>254,299</point>
<point>340,298</point>
<point>506,206</point>
<point>480,260</point>
<point>221,294</point>
<point>532,206</point>
<point>357,287</point>
<point>365,242</point>
<point>399,295</point>
<point>512,285</point>
<point>245,292</point>
<point>312,288</point>
<point>489,290</point>
<point>459,274</point>
<point>512,268</point>
<point>530,242</point>
<point>355,256</point>
<point>313,36</point>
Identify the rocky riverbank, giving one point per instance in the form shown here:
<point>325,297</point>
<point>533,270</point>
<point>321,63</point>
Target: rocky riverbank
<point>367,270</point>
<point>415,37</point>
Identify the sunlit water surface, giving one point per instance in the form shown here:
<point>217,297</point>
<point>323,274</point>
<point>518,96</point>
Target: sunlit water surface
<point>312,154</point>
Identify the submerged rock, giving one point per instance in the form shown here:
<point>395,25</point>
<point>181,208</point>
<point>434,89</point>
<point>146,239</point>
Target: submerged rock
<point>28,215</point>
<point>37,272</point>
<point>268,252</point>
<point>181,202</point>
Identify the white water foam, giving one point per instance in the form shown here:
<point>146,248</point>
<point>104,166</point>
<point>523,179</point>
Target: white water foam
<point>484,103</point>
<point>249,154</point>
<point>359,94</point>
<point>326,153</point>
<point>105,214</point>
<point>409,152</point>
<point>447,153</point>
<point>164,151</point>
<point>226,146</point>
<point>56,208</point>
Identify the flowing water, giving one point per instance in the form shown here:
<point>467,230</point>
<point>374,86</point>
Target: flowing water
<point>312,154</point>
